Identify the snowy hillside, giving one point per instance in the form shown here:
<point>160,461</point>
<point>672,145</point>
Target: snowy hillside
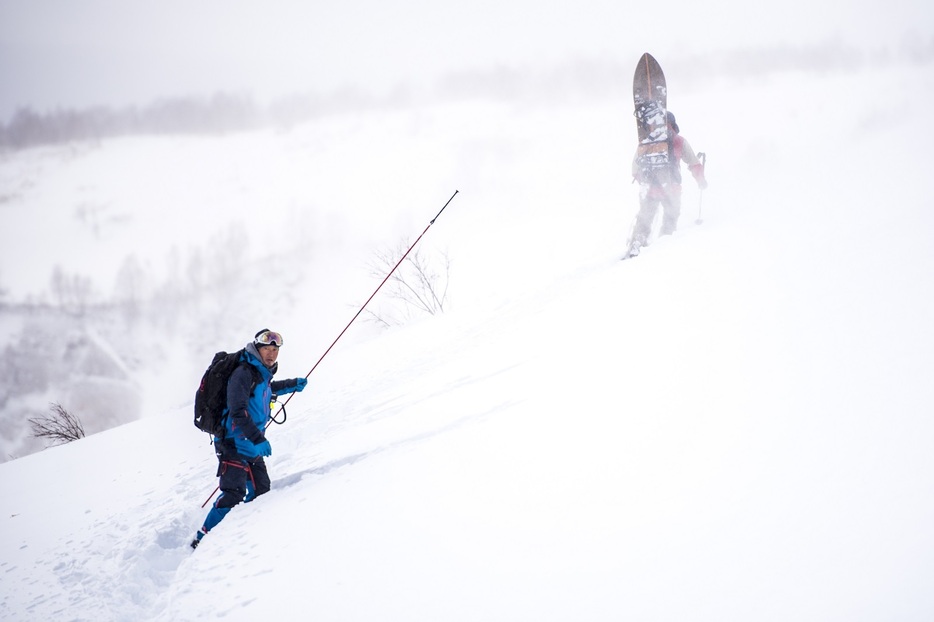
<point>734,426</point>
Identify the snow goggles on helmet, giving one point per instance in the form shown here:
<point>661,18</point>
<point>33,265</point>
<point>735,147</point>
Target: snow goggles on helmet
<point>268,338</point>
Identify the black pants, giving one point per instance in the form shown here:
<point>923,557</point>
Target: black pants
<point>241,479</point>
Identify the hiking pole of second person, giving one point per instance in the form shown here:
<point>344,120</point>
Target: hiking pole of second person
<point>703,160</point>
<point>353,319</point>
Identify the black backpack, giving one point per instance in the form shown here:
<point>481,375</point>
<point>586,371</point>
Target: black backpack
<point>211,397</point>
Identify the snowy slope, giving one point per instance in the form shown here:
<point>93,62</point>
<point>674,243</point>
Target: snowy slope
<point>734,426</point>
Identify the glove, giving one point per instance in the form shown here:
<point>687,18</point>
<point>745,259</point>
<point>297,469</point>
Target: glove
<point>264,448</point>
<point>300,384</point>
<point>698,171</point>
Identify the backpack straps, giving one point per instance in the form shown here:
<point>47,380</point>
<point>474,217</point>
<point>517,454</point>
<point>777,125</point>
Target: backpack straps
<point>255,374</point>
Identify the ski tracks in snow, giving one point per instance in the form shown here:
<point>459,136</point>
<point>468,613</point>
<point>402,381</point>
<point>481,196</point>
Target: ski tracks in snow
<point>107,569</point>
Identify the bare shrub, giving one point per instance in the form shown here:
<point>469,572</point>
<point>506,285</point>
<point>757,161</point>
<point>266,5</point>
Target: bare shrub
<point>419,284</point>
<point>60,427</point>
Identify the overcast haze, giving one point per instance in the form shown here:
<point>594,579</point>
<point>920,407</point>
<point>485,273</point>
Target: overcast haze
<point>107,52</point>
<point>735,426</point>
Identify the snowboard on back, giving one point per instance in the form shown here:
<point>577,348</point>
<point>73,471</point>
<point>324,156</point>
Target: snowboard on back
<point>650,98</point>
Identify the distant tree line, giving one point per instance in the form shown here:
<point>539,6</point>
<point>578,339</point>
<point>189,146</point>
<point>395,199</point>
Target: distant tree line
<point>226,112</point>
<point>220,114</point>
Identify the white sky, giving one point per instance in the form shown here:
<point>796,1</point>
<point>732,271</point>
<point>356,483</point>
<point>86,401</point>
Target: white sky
<point>75,54</point>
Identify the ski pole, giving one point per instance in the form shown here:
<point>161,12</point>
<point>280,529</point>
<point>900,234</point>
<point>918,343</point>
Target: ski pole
<point>353,319</point>
<point>703,159</point>
<point>211,497</point>
<point>282,406</point>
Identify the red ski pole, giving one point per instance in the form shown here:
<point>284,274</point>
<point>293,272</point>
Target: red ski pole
<point>354,318</point>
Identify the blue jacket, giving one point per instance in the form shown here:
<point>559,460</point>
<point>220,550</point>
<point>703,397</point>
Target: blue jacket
<point>248,405</point>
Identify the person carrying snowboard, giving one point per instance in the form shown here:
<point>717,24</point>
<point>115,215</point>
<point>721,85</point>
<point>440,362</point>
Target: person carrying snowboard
<point>663,186</point>
<point>241,468</point>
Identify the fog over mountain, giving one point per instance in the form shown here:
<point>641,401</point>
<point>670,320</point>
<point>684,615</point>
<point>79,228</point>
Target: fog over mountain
<point>733,426</point>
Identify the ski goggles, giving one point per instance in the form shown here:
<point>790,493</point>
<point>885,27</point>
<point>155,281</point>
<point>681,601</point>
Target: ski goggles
<point>268,338</point>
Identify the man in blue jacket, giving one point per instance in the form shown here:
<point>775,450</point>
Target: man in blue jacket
<point>241,468</point>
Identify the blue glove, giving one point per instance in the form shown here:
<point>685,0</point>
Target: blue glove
<point>300,384</point>
<point>264,448</point>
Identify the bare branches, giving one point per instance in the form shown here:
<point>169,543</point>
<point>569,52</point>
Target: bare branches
<point>60,427</point>
<point>419,286</point>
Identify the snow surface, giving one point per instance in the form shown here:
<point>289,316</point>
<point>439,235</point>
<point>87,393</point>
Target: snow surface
<point>737,425</point>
